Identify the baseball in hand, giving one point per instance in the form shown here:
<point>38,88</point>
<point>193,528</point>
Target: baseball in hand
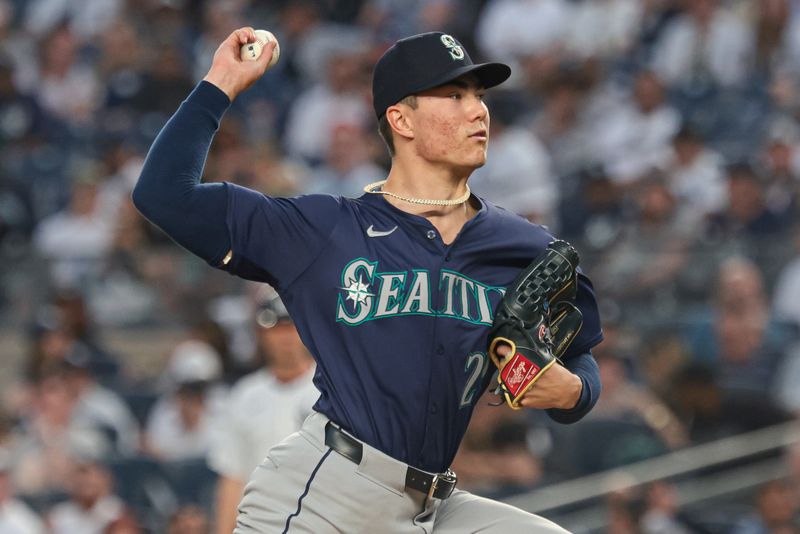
<point>252,51</point>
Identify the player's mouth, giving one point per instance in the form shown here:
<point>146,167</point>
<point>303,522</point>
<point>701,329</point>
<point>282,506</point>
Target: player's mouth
<point>480,135</point>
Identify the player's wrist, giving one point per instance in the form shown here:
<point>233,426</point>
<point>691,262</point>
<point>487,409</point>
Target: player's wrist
<point>574,389</point>
<point>223,82</point>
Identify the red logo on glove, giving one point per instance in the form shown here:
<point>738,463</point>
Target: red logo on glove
<point>519,373</point>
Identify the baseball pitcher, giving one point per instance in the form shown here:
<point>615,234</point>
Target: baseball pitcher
<point>394,293</point>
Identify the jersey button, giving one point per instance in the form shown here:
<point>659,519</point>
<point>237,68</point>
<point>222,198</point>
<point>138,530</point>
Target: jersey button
<point>440,350</point>
<point>434,409</point>
<point>431,234</point>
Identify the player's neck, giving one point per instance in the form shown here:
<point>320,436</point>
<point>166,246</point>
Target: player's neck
<point>427,183</point>
<point>435,184</point>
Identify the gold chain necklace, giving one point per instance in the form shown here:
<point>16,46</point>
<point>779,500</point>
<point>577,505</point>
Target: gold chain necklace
<point>373,188</point>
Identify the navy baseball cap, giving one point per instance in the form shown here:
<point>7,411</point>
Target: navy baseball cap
<point>423,62</point>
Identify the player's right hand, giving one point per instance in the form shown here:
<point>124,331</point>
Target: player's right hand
<point>232,74</point>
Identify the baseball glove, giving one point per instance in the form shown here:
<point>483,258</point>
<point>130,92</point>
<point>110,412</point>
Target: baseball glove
<point>537,319</point>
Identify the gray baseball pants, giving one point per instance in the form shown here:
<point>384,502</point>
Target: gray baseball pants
<point>305,487</point>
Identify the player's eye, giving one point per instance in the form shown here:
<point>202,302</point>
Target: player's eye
<point>455,96</point>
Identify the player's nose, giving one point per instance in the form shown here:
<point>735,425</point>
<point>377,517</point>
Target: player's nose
<point>477,109</point>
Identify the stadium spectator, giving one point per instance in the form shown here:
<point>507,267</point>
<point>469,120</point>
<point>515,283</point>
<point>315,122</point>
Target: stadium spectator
<point>593,208</point>
<point>665,352</point>
<point>50,437</point>
<point>775,511</point>
<point>780,161</point>
<point>744,345</point>
<point>707,44</point>
<point>65,85</point>
<point>648,257</point>
<point>16,517</point>
<point>695,175</point>
<point>123,293</point>
<point>86,18</point>
<point>625,399</point>
<point>58,325</point>
<point>560,123</point>
<point>518,173</point>
<point>183,421</point>
<point>75,240</point>
<point>663,515</point>
<point>746,215</point>
<point>348,164</point>
<point>263,407</point>
<point>125,524</point>
<point>395,19</point>
<point>121,66</point>
<point>509,30</point>
<point>92,505</point>
<point>99,407</point>
<point>166,82</point>
<point>605,29</point>
<point>335,101</point>
<point>189,519</point>
<point>634,135</point>
<point>773,23</point>
<point>710,413</point>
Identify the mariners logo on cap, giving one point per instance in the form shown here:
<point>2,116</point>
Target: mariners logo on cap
<point>456,52</point>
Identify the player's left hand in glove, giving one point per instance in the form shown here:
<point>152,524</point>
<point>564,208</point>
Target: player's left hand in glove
<point>536,320</point>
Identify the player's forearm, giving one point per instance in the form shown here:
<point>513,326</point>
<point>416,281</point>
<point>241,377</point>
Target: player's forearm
<point>585,367</point>
<point>169,192</point>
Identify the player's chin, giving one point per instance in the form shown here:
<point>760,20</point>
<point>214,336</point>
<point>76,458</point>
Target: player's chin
<point>479,160</point>
<point>468,167</point>
<point>470,161</point>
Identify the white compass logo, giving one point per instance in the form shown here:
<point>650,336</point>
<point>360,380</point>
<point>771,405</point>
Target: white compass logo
<point>358,291</point>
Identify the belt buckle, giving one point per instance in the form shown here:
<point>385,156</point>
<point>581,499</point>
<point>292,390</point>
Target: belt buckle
<point>434,484</point>
<point>448,477</point>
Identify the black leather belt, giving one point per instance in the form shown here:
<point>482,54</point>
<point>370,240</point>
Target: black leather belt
<point>436,485</point>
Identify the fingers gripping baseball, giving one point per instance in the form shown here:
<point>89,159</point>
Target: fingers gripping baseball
<point>229,71</point>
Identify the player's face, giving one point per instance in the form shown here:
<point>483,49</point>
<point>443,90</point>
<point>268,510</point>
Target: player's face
<point>451,124</point>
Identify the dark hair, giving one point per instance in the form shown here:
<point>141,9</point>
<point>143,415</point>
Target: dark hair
<point>385,129</point>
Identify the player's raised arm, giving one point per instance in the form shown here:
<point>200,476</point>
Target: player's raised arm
<point>169,192</point>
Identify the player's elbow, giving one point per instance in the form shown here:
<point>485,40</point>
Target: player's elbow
<point>146,200</point>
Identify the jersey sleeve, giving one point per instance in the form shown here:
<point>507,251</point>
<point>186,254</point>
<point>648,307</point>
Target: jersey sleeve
<point>275,239</point>
<point>169,193</point>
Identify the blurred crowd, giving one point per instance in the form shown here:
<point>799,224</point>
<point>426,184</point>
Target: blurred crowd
<point>661,137</point>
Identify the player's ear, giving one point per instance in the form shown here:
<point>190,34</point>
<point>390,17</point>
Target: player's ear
<point>400,120</point>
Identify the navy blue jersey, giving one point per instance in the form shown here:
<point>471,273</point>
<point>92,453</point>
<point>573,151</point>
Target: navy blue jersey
<point>396,319</point>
